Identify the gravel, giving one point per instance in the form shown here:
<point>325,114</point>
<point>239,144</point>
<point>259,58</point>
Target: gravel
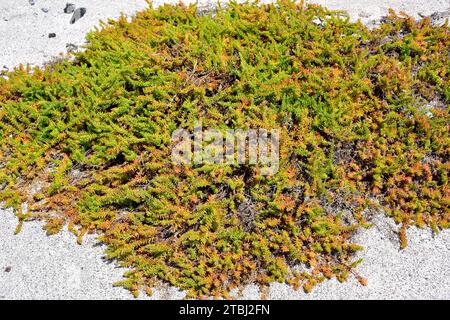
<point>77,15</point>
<point>35,266</point>
<point>70,7</point>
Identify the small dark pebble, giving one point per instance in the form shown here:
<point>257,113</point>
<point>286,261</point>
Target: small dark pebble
<point>77,15</point>
<point>71,47</point>
<point>439,17</point>
<point>32,2</point>
<point>8,269</point>
<point>44,10</point>
<point>70,7</point>
<point>52,35</point>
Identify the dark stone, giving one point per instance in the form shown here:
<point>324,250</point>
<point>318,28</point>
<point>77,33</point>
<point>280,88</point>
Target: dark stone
<point>70,7</point>
<point>8,269</point>
<point>71,47</point>
<point>438,18</point>
<point>32,2</point>
<point>77,15</point>
<point>52,35</point>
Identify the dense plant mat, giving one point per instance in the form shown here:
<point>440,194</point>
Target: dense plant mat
<point>364,121</point>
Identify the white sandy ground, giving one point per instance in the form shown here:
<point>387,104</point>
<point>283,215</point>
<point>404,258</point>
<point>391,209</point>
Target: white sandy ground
<point>56,267</point>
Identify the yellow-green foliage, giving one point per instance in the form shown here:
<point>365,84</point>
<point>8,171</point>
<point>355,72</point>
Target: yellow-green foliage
<point>364,124</point>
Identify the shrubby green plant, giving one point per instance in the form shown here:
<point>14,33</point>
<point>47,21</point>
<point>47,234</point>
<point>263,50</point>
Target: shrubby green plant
<point>364,122</point>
